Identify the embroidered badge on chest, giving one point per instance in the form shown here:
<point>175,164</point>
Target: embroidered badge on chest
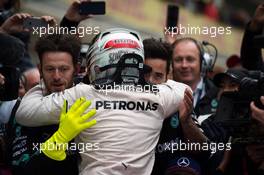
<point>174,121</point>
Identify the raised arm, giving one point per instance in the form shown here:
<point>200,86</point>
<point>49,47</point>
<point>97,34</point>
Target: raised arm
<point>72,18</point>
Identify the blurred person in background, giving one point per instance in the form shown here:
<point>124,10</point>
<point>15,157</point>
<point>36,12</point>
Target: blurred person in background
<point>12,49</point>
<point>217,69</point>
<point>13,64</point>
<point>251,56</point>
<point>14,26</point>
<point>234,61</point>
<point>8,8</point>
<point>28,79</point>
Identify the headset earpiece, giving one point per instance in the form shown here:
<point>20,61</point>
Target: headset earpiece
<point>207,60</point>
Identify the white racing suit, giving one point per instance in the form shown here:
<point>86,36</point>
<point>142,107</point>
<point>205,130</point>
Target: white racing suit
<point>127,130</point>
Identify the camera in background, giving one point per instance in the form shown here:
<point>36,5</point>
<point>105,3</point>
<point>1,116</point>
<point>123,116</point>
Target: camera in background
<point>233,112</point>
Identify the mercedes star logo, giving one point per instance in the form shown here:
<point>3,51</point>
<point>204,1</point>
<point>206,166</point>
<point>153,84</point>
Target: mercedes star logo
<point>183,162</point>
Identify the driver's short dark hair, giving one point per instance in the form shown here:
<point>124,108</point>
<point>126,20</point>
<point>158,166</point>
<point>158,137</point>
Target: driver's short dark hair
<point>154,48</point>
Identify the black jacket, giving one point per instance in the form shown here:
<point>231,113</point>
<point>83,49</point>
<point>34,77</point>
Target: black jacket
<point>208,104</point>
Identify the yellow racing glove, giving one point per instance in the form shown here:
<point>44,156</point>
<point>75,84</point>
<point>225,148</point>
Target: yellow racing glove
<point>71,124</point>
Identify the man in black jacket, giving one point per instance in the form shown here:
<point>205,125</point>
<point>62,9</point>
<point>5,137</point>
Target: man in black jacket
<point>179,127</point>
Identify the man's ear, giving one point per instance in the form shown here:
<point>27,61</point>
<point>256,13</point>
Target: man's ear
<point>40,70</point>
